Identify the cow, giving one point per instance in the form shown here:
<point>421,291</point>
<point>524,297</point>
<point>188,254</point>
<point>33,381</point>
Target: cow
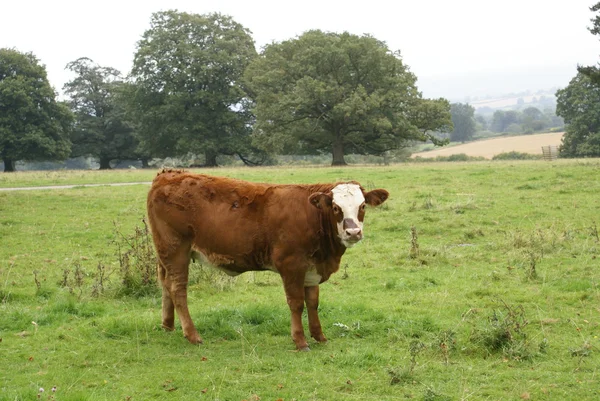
<point>298,231</point>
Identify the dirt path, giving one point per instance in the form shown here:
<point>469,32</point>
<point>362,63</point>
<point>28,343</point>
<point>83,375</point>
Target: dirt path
<point>488,148</point>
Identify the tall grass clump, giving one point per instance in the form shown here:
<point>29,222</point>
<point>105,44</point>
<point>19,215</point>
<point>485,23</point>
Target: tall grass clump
<point>504,332</point>
<point>137,261</point>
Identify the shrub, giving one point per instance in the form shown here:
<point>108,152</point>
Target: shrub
<point>516,156</point>
<point>137,262</point>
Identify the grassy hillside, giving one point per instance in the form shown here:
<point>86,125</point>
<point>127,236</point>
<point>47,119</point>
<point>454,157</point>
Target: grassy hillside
<point>493,296</point>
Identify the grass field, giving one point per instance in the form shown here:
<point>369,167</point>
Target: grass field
<point>494,296</point>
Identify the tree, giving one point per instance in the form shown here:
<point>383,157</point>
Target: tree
<point>97,100</point>
<point>532,120</point>
<point>593,72</point>
<point>463,119</point>
<point>578,105</point>
<point>188,92</point>
<point>33,125</point>
<point>337,93</point>
<point>501,120</point>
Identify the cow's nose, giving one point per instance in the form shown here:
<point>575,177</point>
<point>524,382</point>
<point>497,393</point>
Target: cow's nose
<point>353,232</point>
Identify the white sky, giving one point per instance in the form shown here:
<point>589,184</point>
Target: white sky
<point>437,38</point>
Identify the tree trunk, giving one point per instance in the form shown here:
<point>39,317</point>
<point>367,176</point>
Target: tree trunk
<point>338,153</point>
<point>9,165</point>
<point>145,163</point>
<point>211,159</point>
<point>104,163</point>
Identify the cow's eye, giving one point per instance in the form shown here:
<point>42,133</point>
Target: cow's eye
<point>363,206</point>
<point>336,209</point>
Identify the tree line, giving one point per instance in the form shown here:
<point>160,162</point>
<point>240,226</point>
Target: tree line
<point>468,123</point>
<point>198,86</point>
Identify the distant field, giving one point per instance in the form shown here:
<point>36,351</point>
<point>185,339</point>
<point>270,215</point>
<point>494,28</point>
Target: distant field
<point>488,148</point>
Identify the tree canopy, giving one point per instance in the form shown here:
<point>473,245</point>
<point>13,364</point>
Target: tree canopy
<point>593,72</point>
<point>33,125</point>
<point>96,98</point>
<point>338,93</point>
<point>463,120</point>
<point>188,95</point>
<point>578,104</point>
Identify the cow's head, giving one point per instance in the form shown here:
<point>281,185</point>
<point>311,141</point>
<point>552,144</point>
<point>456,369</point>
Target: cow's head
<point>346,205</point>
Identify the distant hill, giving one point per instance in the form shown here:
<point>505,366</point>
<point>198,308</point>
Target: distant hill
<point>488,148</point>
<point>486,84</point>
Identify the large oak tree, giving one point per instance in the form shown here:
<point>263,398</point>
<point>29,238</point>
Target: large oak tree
<point>97,99</point>
<point>338,93</point>
<point>33,125</point>
<point>188,92</point>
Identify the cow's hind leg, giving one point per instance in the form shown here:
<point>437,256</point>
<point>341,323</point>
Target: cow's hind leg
<point>311,297</point>
<point>175,259</point>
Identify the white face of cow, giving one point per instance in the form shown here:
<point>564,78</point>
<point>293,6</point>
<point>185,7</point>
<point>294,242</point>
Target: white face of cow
<point>348,207</point>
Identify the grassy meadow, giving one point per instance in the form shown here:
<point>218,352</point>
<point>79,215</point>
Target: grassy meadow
<point>475,281</point>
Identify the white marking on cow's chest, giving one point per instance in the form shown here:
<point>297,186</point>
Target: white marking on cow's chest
<point>312,278</point>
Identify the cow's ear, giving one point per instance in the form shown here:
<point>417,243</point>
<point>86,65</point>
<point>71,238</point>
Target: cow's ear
<point>376,197</point>
<point>320,200</point>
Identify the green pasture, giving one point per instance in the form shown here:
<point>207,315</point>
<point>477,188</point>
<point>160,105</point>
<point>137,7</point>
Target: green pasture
<point>476,281</point>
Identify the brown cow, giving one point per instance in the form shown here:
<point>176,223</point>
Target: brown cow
<point>298,231</point>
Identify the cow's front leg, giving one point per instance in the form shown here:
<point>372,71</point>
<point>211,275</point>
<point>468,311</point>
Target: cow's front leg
<point>311,296</point>
<point>294,292</point>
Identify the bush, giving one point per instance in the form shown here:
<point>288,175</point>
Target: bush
<point>516,156</point>
<point>137,262</point>
<point>460,157</point>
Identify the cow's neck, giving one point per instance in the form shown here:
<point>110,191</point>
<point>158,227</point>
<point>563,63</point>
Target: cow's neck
<point>330,244</point>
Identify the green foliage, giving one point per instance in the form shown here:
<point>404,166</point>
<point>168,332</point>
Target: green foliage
<point>98,102</point>
<point>458,157</point>
<point>578,105</point>
<point>516,156</point>
<point>338,93</point>
<point>463,119</point>
<point>187,94</point>
<point>502,120</point>
<point>593,72</point>
<point>33,125</point>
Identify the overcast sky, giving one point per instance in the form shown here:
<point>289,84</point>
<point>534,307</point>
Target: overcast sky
<point>439,39</point>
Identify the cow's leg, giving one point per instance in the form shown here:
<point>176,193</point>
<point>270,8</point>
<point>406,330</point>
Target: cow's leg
<point>178,289</point>
<point>168,308</point>
<point>294,292</point>
<point>311,297</point>
<point>174,254</point>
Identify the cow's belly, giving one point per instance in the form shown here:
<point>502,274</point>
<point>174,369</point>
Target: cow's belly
<point>229,264</point>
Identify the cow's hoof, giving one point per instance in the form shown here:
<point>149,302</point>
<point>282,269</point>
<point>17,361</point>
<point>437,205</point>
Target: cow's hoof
<point>194,339</point>
<point>304,349</point>
<point>168,328</point>
<point>320,339</point>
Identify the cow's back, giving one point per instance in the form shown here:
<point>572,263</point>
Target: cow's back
<point>234,223</point>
